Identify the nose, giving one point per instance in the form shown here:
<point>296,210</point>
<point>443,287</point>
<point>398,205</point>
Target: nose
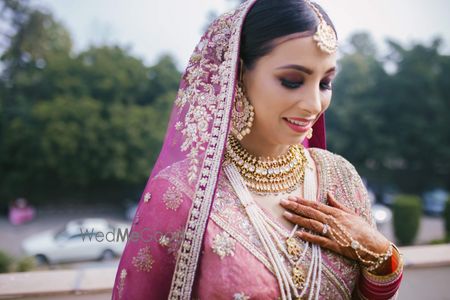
<point>310,99</point>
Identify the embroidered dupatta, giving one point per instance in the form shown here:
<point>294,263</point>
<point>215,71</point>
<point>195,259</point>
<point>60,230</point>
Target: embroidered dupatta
<point>162,253</point>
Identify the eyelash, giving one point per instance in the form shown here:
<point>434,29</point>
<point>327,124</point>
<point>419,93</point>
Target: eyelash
<point>293,85</point>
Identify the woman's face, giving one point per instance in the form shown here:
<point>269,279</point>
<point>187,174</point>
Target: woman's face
<point>292,82</point>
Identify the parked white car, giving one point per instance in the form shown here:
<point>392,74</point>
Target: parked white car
<point>78,240</point>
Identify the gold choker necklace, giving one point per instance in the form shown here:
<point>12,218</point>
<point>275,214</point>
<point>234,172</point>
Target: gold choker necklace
<point>280,175</point>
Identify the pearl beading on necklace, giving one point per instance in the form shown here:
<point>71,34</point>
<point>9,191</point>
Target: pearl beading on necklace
<point>265,230</point>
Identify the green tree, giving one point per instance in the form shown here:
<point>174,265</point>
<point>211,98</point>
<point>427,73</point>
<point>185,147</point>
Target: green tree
<point>74,122</point>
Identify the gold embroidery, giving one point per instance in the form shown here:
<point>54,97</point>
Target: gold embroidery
<point>218,100</point>
<point>172,198</point>
<point>223,245</point>
<point>143,261</point>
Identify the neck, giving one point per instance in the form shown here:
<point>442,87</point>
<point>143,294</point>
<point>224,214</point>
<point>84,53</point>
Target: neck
<point>262,148</point>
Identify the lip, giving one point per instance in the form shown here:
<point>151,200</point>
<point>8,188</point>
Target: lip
<point>299,128</point>
<point>300,119</point>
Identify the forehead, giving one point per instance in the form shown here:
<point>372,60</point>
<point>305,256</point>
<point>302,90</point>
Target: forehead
<point>299,50</point>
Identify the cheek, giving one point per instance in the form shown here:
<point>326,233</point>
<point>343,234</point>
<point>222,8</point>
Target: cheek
<point>326,100</point>
<point>267,100</point>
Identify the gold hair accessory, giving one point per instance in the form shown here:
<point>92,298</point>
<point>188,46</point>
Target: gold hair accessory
<point>271,176</point>
<point>243,112</point>
<point>325,36</point>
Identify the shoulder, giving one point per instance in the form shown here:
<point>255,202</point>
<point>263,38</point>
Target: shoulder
<point>335,165</point>
<point>329,159</point>
<point>340,177</point>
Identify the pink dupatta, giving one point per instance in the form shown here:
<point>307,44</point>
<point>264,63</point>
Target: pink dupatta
<point>163,250</point>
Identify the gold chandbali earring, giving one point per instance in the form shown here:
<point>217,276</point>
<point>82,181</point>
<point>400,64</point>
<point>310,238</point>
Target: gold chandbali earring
<point>243,112</point>
<point>325,36</point>
<point>309,134</point>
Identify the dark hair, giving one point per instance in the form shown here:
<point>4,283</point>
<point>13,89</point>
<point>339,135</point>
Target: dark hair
<point>271,19</point>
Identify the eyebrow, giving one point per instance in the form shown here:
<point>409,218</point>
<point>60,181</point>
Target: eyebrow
<point>304,69</point>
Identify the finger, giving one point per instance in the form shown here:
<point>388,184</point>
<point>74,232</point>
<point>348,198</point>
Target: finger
<point>304,210</point>
<point>326,209</point>
<point>319,240</point>
<point>304,222</point>
<point>332,200</point>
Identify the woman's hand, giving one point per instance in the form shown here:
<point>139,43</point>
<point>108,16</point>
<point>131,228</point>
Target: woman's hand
<point>314,215</point>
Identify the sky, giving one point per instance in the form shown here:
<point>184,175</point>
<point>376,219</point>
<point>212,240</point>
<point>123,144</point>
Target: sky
<point>152,28</point>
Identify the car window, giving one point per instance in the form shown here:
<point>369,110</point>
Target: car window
<point>61,233</point>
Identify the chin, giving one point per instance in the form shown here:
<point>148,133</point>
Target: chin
<point>293,140</point>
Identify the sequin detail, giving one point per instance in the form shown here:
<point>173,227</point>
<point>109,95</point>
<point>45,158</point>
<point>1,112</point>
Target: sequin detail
<point>143,261</point>
<point>121,286</point>
<point>172,198</point>
<point>147,197</point>
<point>240,296</point>
<point>223,245</point>
<point>164,240</point>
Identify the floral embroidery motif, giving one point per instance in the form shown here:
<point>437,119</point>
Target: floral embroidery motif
<point>172,198</point>
<point>202,94</point>
<point>223,245</point>
<point>143,261</point>
<point>172,241</point>
<point>240,296</point>
<point>175,242</point>
<point>147,197</point>
<point>164,240</point>
<point>120,287</point>
<point>217,53</point>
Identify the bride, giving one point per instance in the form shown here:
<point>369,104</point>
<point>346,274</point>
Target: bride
<point>245,202</point>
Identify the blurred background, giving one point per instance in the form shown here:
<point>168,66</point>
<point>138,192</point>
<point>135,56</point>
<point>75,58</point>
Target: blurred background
<point>86,88</point>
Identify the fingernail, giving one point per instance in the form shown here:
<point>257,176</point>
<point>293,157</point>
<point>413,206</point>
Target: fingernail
<point>292,198</point>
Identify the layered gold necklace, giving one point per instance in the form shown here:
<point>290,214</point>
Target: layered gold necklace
<point>271,176</point>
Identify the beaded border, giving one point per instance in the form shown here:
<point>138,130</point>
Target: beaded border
<point>188,255</point>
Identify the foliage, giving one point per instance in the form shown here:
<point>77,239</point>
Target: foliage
<point>389,115</point>
<point>5,262</point>
<point>446,217</point>
<point>406,212</point>
<point>26,264</point>
<point>76,121</point>
<point>96,119</point>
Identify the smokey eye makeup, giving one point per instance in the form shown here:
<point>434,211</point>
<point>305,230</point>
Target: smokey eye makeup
<point>290,84</point>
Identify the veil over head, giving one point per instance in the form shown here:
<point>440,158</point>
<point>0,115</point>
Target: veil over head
<point>196,135</point>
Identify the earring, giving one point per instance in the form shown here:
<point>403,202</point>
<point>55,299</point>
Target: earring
<point>309,134</point>
<point>242,115</point>
<point>243,112</point>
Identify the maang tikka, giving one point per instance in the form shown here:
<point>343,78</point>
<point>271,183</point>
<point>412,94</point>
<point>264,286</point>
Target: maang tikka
<point>325,36</point>
<point>243,112</point>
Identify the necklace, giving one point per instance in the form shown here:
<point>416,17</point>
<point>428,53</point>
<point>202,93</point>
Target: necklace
<point>271,176</point>
<point>290,278</point>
